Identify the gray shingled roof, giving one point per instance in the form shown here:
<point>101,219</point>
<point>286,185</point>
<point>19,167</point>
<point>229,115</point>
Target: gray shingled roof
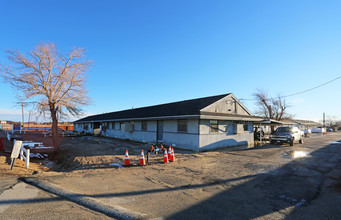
<point>187,107</point>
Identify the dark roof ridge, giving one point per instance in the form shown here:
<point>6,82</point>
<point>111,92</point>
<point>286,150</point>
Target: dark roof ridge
<point>168,103</point>
<point>190,107</point>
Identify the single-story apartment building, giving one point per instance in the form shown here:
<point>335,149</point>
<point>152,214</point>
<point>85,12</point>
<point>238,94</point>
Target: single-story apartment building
<point>304,124</point>
<point>197,124</point>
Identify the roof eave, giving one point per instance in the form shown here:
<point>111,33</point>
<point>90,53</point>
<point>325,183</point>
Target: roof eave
<point>145,118</point>
<point>229,117</point>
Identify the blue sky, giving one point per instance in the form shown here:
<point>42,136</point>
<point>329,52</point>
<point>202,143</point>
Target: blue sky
<point>154,52</point>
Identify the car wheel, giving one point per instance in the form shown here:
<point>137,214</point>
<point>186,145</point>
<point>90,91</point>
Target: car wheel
<point>272,142</point>
<point>301,141</point>
<point>292,142</point>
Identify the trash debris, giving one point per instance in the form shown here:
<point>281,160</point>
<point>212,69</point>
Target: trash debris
<point>288,198</point>
<point>117,165</point>
<point>38,155</point>
<point>300,203</point>
<point>49,164</point>
<point>42,147</point>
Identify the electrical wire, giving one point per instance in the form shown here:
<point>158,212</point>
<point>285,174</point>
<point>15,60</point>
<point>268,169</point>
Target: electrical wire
<point>307,90</point>
<point>304,91</point>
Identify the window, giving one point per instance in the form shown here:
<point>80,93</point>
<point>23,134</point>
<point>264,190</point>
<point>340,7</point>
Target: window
<point>246,126</point>
<point>121,126</point>
<point>104,126</point>
<point>111,125</point>
<point>144,125</point>
<point>131,126</point>
<point>214,126</point>
<point>182,126</point>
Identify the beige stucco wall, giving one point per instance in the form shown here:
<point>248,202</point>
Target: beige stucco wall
<point>229,105</point>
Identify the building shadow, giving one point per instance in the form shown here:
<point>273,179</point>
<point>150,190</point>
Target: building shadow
<point>296,185</point>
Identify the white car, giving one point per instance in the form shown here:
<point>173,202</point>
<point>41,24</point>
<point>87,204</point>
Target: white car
<point>287,135</point>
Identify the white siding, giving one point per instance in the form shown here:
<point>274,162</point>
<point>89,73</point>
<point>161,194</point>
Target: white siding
<point>223,138</point>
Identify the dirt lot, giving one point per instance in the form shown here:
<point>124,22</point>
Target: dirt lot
<point>19,168</point>
<point>268,182</point>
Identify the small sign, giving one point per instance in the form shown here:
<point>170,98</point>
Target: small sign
<point>16,127</point>
<point>15,152</point>
<point>16,149</point>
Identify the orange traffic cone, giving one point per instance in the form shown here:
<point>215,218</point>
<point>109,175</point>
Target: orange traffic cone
<point>172,159</point>
<point>142,161</point>
<point>169,152</point>
<point>127,161</point>
<point>165,158</point>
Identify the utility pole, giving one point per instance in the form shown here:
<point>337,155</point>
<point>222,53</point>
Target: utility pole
<point>324,120</point>
<point>22,113</point>
<point>29,119</point>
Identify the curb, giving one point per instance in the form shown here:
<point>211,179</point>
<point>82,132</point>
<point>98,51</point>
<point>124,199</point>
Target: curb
<point>84,200</point>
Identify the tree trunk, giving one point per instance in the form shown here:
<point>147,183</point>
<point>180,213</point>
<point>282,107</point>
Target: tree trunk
<point>54,126</point>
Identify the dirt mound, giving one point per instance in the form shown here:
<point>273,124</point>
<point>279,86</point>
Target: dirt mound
<point>86,162</point>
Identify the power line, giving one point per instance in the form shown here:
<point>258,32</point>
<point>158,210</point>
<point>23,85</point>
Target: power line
<point>297,93</point>
<point>304,91</point>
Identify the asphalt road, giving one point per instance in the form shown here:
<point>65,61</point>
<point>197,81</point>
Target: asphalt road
<point>19,200</point>
<point>268,182</point>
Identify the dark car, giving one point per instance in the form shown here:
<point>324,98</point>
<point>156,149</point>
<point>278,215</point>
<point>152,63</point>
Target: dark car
<point>287,135</point>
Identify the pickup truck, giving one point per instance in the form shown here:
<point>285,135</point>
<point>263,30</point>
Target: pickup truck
<point>287,135</point>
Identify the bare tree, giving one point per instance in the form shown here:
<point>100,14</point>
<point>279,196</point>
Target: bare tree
<point>54,82</point>
<point>333,122</point>
<point>271,108</point>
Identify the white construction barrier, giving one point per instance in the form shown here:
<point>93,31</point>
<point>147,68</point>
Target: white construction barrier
<point>25,155</point>
<point>18,149</point>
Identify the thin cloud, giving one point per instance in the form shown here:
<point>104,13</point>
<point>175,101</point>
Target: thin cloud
<point>9,112</point>
<point>296,101</point>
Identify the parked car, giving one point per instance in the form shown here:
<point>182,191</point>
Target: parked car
<point>307,132</point>
<point>287,135</point>
<point>318,130</point>
<point>330,130</point>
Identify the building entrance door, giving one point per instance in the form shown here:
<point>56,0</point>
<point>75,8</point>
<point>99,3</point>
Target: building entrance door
<point>159,131</point>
